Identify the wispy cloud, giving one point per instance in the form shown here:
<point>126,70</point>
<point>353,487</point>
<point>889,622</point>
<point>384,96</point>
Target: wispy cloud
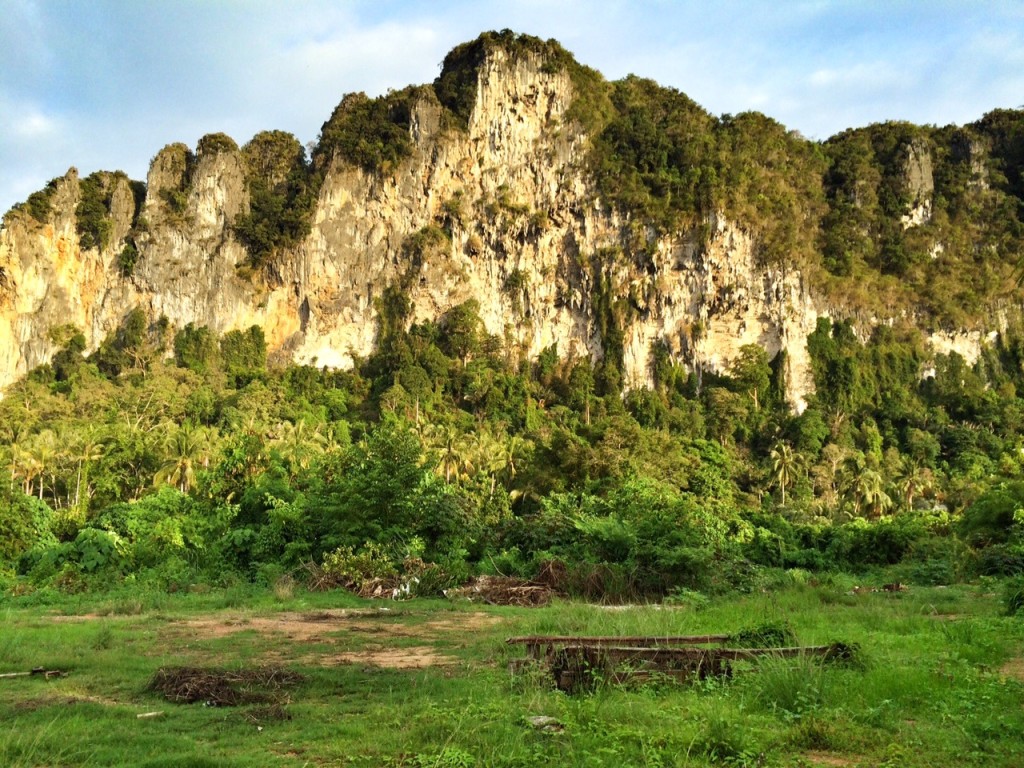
<point>105,84</point>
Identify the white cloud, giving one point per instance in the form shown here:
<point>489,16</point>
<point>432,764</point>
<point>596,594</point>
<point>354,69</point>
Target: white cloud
<point>105,84</point>
<point>32,125</point>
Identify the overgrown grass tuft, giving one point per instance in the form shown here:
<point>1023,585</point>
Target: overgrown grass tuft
<point>790,687</point>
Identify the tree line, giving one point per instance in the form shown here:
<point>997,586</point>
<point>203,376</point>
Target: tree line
<point>179,457</point>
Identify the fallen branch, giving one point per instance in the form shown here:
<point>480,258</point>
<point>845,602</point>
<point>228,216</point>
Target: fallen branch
<point>37,672</point>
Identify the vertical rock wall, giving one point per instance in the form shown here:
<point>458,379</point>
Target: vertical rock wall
<point>501,211</point>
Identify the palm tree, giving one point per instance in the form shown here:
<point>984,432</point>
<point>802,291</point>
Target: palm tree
<point>786,465</point>
<point>451,453</point>
<point>299,443</point>
<point>912,481</point>
<point>868,492</point>
<point>184,451</point>
<point>487,455</point>
<point>25,466</point>
<point>45,455</point>
<point>89,449</point>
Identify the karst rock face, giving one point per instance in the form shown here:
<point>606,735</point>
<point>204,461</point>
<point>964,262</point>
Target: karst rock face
<point>502,211</point>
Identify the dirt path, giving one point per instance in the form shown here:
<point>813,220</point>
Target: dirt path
<point>338,628</point>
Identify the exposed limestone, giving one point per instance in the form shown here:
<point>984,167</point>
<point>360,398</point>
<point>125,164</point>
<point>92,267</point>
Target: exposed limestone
<point>966,344</point>
<point>920,181</point>
<point>524,234</point>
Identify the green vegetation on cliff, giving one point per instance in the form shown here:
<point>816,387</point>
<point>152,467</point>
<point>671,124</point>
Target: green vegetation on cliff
<point>959,260</point>
<point>282,194</point>
<point>370,133</point>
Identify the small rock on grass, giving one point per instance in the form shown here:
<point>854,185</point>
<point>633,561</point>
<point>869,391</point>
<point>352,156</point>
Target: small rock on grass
<point>545,723</point>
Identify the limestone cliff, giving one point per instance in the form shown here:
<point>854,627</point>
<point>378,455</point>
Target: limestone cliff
<point>502,210</point>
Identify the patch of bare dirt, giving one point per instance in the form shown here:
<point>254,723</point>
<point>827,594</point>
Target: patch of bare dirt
<point>31,705</point>
<point>1014,669</point>
<point>829,760</point>
<point>317,627</point>
<point>418,657</point>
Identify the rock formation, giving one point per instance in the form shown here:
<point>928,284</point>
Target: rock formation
<point>502,210</point>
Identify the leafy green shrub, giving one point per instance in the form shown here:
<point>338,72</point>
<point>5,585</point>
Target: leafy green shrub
<point>215,144</point>
<point>39,204</point>
<point>656,155</point>
<point>426,243</point>
<point>449,757</point>
<point>773,634</point>
<point>176,199</point>
<point>934,560</point>
<point>1013,596</point>
<point>282,195</point>
<point>127,258</point>
<point>992,519</point>
<point>999,560</point>
<point>432,579</point>
<point>25,523</point>
<point>196,348</point>
<point>92,215</point>
<point>345,567</point>
<point>687,597</point>
<point>97,550</point>
<point>381,490</point>
<point>860,543</point>
<point>372,134</point>
<point>244,354</point>
<point>124,348</point>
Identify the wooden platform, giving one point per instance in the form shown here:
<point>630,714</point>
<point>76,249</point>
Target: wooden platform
<point>576,663</point>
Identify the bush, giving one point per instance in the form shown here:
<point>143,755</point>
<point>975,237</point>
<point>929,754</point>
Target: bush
<point>127,259</point>
<point>999,560</point>
<point>25,522</point>
<point>244,354</point>
<point>991,519</point>
<point>98,550</point>
<point>1013,596</point>
<point>861,543</point>
<point>196,349</point>
<point>372,134</point>
<point>39,204</point>
<point>215,144</point>
<point>93,212</point>
<point>344,567</point>
<point>282,195</point>
<point>176,199</point>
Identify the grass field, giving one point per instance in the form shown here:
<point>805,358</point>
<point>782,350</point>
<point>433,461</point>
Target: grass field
<point>426,683</point>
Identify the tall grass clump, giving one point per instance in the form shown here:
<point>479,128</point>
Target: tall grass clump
<point>791,687</point>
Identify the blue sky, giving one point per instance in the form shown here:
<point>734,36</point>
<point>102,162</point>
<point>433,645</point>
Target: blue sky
<point>104,84</point>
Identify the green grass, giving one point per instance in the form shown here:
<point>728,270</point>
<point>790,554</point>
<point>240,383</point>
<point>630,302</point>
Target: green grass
<point>931,688</point>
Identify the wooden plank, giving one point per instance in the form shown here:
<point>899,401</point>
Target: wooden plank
<point>37,672</point>
<point>645,641</point>
<point>695,653</point>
